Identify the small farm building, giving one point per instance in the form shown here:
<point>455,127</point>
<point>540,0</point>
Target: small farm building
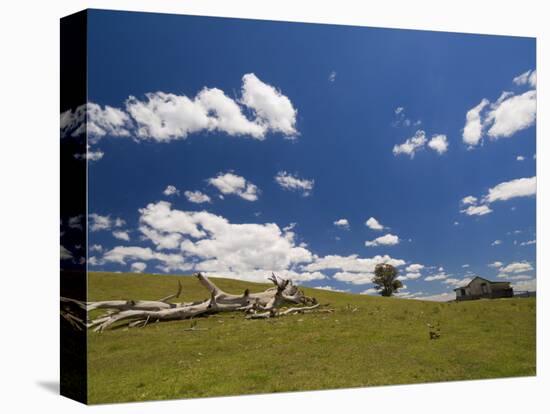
<point>480,288</point>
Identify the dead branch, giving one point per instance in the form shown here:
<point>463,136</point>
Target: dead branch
<point>289,311</point>
<point>139,313</point>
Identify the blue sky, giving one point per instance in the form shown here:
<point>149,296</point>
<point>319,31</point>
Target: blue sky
<point>281,140</point>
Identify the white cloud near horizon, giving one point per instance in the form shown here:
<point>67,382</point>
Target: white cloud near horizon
<point>138,267</point>
<point>516,267</point>
<point>331,289</point>
<point>454,282</point>
<point>209,243</point>
<point>440,297</point>
<point>525,285</point>
<point>352,263</point>
<point>354,278</point>
<point>438,276</point>
<point>120,254</point>
<point>370,291</point>
<point>415,267</point>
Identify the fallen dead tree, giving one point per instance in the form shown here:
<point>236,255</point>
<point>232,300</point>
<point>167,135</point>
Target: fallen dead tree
<point>267,304</point>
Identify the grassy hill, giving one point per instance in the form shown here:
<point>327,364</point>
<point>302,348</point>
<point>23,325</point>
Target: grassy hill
<point>384,341</point>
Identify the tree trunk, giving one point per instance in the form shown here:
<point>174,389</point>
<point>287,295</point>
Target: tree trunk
<point>259,305</point>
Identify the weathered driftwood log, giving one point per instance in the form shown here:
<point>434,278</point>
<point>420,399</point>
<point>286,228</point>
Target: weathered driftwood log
<point>146,305</point>
<point>73,312</point>
<point>259,305</point>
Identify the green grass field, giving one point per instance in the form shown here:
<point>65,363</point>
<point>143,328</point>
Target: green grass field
<point>385,341</point>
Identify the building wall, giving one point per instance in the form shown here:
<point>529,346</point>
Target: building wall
<point>476,288</point>
<point>480,288</point>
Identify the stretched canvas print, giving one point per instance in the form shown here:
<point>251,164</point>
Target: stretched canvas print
<point>257,207</point>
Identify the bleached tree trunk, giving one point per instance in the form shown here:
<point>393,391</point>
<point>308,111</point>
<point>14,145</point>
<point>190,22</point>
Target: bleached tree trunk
<point>257,305</point>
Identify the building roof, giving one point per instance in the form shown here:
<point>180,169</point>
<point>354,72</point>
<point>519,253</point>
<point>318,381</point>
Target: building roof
<point>485,280</point>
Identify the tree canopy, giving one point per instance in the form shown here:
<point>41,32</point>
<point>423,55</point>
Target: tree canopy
<point>385,279</point>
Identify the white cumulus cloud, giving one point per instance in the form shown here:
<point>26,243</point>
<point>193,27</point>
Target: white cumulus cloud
<point>138,267</point>
<point>438,276</point>
<point>230,183</point>
<point>521,187</point>
<point>170,190</point>
<point>342,223</point>
<point>516,267</point>
<point>370,291</point>
<point>352,263</point>
<point>274,110</point>
<point>99,222</point>
<point>527,78</point>
<point>97,121</point>
<point>473,130</point>
<point>415,268</point>
<point>439,143</point>
<point>294,183</point>
<point>354,278</point>
<point>469,200</point>
<point>374,224</point>
<point>477,210</point>
<point>121,235</point>
<point>166,116</point>
<point>509,114</point>
<point>197,197</point>
<point>512,115</point>
<point>411,145</point>
<point>386,240</point>
<point>210,243</point>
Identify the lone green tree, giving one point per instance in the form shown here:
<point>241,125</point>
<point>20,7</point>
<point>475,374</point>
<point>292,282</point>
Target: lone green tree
<point>385,279</point>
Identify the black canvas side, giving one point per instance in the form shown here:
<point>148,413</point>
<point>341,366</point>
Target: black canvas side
<point>73,97</point>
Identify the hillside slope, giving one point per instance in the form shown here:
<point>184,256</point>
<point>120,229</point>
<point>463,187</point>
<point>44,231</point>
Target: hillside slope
<point>383,341</point>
